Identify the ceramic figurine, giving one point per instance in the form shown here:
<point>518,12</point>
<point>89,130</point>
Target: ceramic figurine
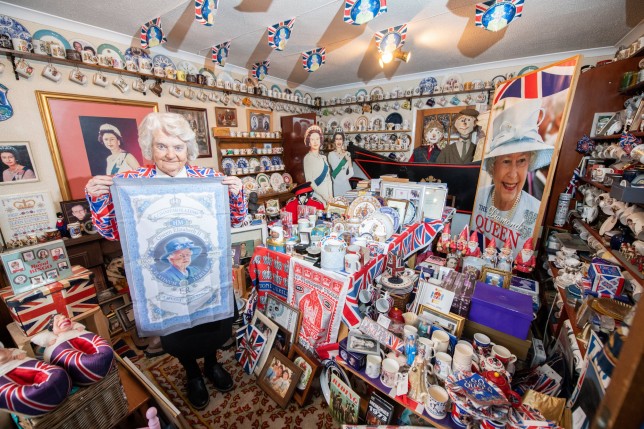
<point>461,242</point>
<point>490,254</point>
<point>525,260</point>
<point>443,244</point>
<point>60,224</point>
<point>417,381</point>
<point>472,248</point>
<point>505,259</point>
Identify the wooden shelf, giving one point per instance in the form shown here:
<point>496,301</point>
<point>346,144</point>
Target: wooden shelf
<point>227,139</point>
<point>595,184</point>
<point>413,406</point>
<point>252,174</point>
<point>386,151</point>
<point>618,136</point>
<point>633,89</point>
<point>253,155</point>
<point>411,97</point>
<point>372,132</point>
<point>570,312</point>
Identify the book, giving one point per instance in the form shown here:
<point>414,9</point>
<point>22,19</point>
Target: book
<point>344,402</point>
<point>379,411</point>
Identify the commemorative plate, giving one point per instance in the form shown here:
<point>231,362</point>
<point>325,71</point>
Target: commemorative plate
<point>52,36</point>
<point>134,53</point>
<point>242,163</point>
<point>83,44</point>
<point>111,51</point>
<point>288,180</point>
<point>392,213</point>
<point>14,29</point>
<point>187,67</point>
<point>363,206</point>
<point>228,163</point>
<point>276,181</point>
<point>162,61</point>
<point>372,226</point>
<point>265,162</point>
<point>427,85</point>
<point>254,163</point>
<point>249,184</point>
<point>263,181</point>
<point>276,160</point>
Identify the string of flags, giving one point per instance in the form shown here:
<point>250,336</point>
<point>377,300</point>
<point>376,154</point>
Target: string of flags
<point>220,53</point>
<point>152,34</point>
<point>205,11</point>
<point>391,39</point>
<point>313,60</point>
<point>279,34</point>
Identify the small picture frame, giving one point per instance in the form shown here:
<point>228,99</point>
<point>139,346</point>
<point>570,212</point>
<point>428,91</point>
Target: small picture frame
<point>473,265</point>
<point>269,330</point>
<point>305,237</point>
<point>359,343</point>
<point>399,205</point>
<point>226,116</point>
<point>17,154</point>
<point>112,304</point>
<point>606,128</point>
<point>126,316</point>
<point>495,277</point>
<point>599,122</point>
<point>452,323</point>
<point>284,315</point>
<point>310,368</point>
<point>78,211</point>
<point>279,378</point>
<point>282,341</point>
<point>28,256</point>
<point>114,324</point>
<point>336,209</point>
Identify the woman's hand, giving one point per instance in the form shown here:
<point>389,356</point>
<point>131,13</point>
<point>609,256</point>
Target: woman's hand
<point>234,184</point>
<point>99,185</point>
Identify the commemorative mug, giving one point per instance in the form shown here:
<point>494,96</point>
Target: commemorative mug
<point>389,372</point>
<point>599,174</point>
<point>78,77</point>
<point>482,344</point>
<point>40,47</point>
<point>202,96</point>
<point>145,65</point>
<point>181,75</point>
<point>442,101</point>
<point>130,65</point>
<point>455,100</point>
<point>118,63</point>
<point>351,263</point>
<point>372,369</point>
<point>121,84</point>
<point>158,71</point>
<point>426,348</point>
<point>74,230</point>
<point>23,68</point>
<point>156,88</point>
<point>51,73</point>
<point>175,91</point>
<point>442,366</point>
<point>21,45</point>
<point>170,73</point>
<point>104,60</point>
<point>436,402</point>
<point>73,54</point>
<point>56,50</point>
<point>100,79</point>
<point>441,340</point>
<point>463,356</point>
<point>503,354</point>
<point>138,85</point>
<point>189,93</point>
<point>88,57</point>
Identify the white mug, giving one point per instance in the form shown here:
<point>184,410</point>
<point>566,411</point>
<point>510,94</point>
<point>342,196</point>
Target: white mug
<point>372,369</point>
<point>442,366</point>
<point>104,60</point>
<point>145,65</point>
<point>100,79</point>
<point>88,57</point>
<point>441,340</point>
<point>51,73</point>
<point>426,348</point>
<point>40,47</point>
<point>462,359</point>
<point>436,402</point>
<point>130,65</point>
<point>78,77</point>
<point>389,372</point>
<point>351,263</point>
<point>21,45</point>
<point>23,68</point>
<point>138,85</point>
<point>121,84</point>
<point>56,50</point>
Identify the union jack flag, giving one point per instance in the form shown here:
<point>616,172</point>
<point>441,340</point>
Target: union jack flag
<point>484,16</point>
<point>152,34</point>
<point>250,343</point>
<point>278,34</point>
<point>539,83</point>
<point>260,70</point>
<point>395,35</point>
<point>87,358</point>
<point>220,53</point>
<point>205,11</point>
<point>358,12</point>
<point>312,60</point>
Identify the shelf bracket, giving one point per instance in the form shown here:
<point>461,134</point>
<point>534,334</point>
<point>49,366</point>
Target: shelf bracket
<point>12,58</point>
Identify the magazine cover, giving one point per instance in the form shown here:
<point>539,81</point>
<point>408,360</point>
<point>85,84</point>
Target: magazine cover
<point>344,402</point>
<point>379,410</point>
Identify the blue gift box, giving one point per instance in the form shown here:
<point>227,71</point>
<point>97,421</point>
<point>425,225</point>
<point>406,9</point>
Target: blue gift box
<point>606,279</point>
<point>355,360</point>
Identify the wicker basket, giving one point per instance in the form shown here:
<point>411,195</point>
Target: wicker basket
<point>99,406</point>
<point>400,301</point>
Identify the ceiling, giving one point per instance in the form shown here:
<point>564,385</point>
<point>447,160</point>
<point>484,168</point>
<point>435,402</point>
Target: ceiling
<point>441,33</point>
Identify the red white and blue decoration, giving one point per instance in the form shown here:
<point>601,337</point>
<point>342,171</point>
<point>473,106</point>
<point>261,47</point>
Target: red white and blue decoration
<point>358,12</point>
<point>278,34</point>
<point>220,53</point>
<point>260,70</point>
<point>6,110</point>
<point>205,11</point>
<point>495,15</point>
<point>391,39</point>
<point>313,60</point>
<point>87,358</point>
<point>250,344</point>
<point>152,34</point>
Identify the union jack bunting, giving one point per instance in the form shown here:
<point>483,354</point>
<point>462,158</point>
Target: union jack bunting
<point>493,15</point>
<point>86,358</point>
<point>628,141</point>
<point>260,70</point>
<point>313,60</point>
<point>279,34</point>
<point>220,53</point>
<point>574,180</point>
<point>152,34</point>
<point>539,83</point>
<point>250,343</point>
<point>205,11</point>
<point>392,38</point>
<point>358,12</point>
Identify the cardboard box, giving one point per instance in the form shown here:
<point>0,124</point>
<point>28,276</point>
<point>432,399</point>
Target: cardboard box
<point>606,279</point>
<point>72,296</point>
<point>355,360</point>
<point>518,347</point>
<point>527,287</point>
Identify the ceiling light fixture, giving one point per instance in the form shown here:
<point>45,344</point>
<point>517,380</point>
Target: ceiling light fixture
<point>398,54</point>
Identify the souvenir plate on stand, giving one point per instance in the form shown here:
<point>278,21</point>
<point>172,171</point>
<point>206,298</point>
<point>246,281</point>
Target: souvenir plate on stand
<point>362,123</point>
<point>225,77</point>
<point>14,29</point>
<point>427,85</point>
<point>187,67</point>
<point>277,181</point>
<point>496,80</point>
<point>341,200</point>
<point>85,45</point>
<point>162,61</point>
<point>228,163</point>
<point>52,36</point>
<point>242,163</point>
<point>363,206</point>
<point>372,226</point>
<point>392,213</point>
<point>386,221</point>
<point>254,163</point>
<point>288,180</point>
<point>277,92</point>
<point>263,181</point>
<point>249,184</point>
<point>346,125</point>
<point>410,214</point>
<point>265,162</point>
<point>330,367</point>
<point>276,160</point>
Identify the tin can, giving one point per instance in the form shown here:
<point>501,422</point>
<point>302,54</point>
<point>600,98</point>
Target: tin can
<point>562,209</point>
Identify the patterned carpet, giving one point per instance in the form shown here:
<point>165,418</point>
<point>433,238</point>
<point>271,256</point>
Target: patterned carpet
<point>246,406</point>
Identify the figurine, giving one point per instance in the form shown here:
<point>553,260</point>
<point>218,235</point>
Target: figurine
<point>461,243</point>
<point>85,356</point>
<point>461,151</point>
<point>303,197</point>
<point>443,244</point>
<point>417,381</point>
<point>490,254</point>
<point>411,350</point>
<point>60,224</point>
<point>525,260</point>
<point>472,248</point>
<point>504,261</point>
<point>253,206</point>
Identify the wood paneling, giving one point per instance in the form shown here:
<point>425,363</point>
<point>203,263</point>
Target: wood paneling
<point>294,148</point>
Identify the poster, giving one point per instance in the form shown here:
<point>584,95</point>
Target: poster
<point>175,235</point>
<point>527,121</point>
<point>26,214</point>
<point>344,402</point>
<point>319,296</point>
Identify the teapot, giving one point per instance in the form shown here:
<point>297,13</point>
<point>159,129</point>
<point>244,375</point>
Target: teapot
<point>501,380</point>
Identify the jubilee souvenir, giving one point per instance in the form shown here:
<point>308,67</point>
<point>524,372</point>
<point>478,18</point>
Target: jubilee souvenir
<point>265,162</point>
<point>276,160</point>
<point>494,15</point>
<point>377,93</point>
<point>205,11</point>
<point>242,163</point>
<point>118,59</point>
<point>277,182</point>
<point>427,85</point>
<point>358,12</point>
<point>51,37</point>
<point>279,34</point>
<point>162,61</point>
<point>363,206</point>
<point>288,180</point>
<point>260,69</point>
<point>249,184</point>
<point>14,29</point>
<point>391,39</point>
<point>228,163</point>
<point>152,34</point>
<point>220,53</point>
<point>6,110</point>
<point>263,181</point>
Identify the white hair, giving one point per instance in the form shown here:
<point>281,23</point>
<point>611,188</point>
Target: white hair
<point>173,125</point>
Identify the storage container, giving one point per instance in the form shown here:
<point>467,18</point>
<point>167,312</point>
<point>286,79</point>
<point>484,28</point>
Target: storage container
<point>355,360</point>
<point>501,309</point>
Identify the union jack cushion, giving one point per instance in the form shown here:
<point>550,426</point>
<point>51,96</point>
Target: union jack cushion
<point>87,358</point>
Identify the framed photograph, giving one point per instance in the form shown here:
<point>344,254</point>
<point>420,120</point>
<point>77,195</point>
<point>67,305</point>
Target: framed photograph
<point>26,213</point>
<point>113,324</point>
<point>310,368</point>
<point>434,201</point>
<point>279,378</point>
<point>198,120</point>
<point>495,277</point>
<point>452,323</point>
<point>226,116</point>
<point>269,330</point>
<point>637,119</point>
<point>259,120</point>
<point>91,135</point>
<point>305,237</point>
<point>473,266</point>
<point>78,211</point>
<point>112,304</point>
<point>364,344</point>
<point>399,205</point>
<point>17,164</point>
<point>599,122</point>
<point>126,316</point>
<point>282,341</point>
<point>28,256</point>
<point>236,250</point>
<point>412,193</point>
<point>337,209</point>
<point>284,315</point>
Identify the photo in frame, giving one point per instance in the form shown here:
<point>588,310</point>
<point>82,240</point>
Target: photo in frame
<point>284,315</point>
<point>126,316</point>
<point>494,277</point>
<point>112,304</point>
<point>310,369</point>
<point>336,209</point>
<point>113,324</point>
<point>282,341</point>
<point>226,116</point>
<point>606,129</point>
<point>279,378</point>
<point>364,344</point>
<point>78,211</point>
<point>399,205</point>
<point>452,323</point>
<point>17,164</point>
<point>522,146</point>
<point>72,123</point>
<point>412,193</point>
<point>259,120</point>
<point>269,330</point>
<point>198,120</point>
<point>600,120</point>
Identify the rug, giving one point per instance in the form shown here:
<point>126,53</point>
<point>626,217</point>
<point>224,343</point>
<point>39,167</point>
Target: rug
<point>246,406</point>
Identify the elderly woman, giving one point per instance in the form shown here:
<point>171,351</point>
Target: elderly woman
<point>119,160</point>
<point>14,169</point>
<point>168,140</point>
<point>503,209</point>
<point>316,166</point>
<point>341,165</point>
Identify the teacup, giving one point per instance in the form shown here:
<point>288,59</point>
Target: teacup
<point>503,354</point>
<point>121,84</point>
<point>51,73</point>
<point>40,47</point>
<point>23,68</point>
<point>56,50</point>
<point>21,45</point>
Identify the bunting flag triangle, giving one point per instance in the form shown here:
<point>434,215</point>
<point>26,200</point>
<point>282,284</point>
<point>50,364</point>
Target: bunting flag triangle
<point>495,15</point>
<point>392,38</point>
<point>260,70</point>
<point>313,60</point>
<point>152,34</point>
<point>358,12</point>
<point>205,11</point>
<point>220,53</point>
<point>279,34</point>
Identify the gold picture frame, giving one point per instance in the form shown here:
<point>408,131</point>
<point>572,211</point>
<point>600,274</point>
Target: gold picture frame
<point>259,120</point>
<point>452,323</point>
<point>492,276</point>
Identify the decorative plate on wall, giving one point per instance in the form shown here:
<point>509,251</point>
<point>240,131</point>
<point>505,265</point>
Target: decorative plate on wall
<point>187,67</point>
<point>162,61</point>
<point>85,45</point>
<point>427,85</point>
<point>52,36</point>
<point>111,51</point>
<point>13,28</point>
<point>133,53</point>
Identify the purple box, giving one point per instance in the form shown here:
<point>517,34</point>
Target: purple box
<point>357,361</point>
<point>501,309</point>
